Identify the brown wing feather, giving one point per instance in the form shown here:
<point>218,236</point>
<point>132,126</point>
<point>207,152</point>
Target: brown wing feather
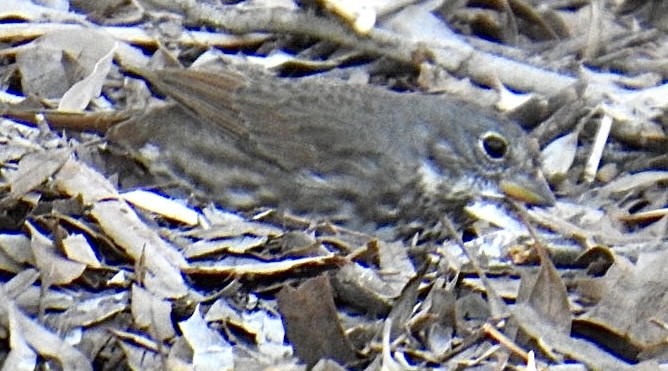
<point>283,122</point>
<point>207,95</point>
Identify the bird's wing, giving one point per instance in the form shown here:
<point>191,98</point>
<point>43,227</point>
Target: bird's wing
<point>283,122</point>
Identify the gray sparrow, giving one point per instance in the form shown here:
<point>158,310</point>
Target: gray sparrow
<point>357,155</point>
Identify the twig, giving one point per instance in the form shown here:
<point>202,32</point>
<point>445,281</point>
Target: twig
<point>502,339</point>
<point>454,54</point>
<point>498,307</point>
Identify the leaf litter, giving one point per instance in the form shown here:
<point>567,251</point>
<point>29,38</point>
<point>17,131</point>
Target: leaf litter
<point>150,280</point>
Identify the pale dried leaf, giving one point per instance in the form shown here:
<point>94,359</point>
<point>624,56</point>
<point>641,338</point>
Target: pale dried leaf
<point>34,169</point>
<point>21,357</point>
<point>263,268</point>
<point>8,264</point>
<point>505,288</point>
<point>54,269</point>
<point>221,310</point>
<point>236,245</point>
<point>362,288</point>
<point>21,9</point>
<point>161,205</point>
<point>52,63</point>
<point>552,339</point>
<point>635,181</point>
<point>531,363</point>
<point>122,279</point>
<point>17,247</point>
<point>418,23</point>
<point>396,267</point>
<point>78,179</point>
<point>20,283</point>
<point>558,156</point>
<point>509,100</point>
<point>140,242</point>
<point>125,228</point>
<point>138,339</point>
<point>633,299</point>
<point>495,215</point>
<point>274,60</point>
<point>388,362</point>
<point>45,342</point>
<point>151,311</point>
<point>77,248</point>
<point>13,150</point>
<point>227,224</point>
<point>269,333</point>
<point>81,93</point>
<point>210,350</point>
<point>32,298</point>
<point>139,358</point>
<point>93,310</point>
<point>645,216</point>
<point>547,296</point>
<point>265,328</point>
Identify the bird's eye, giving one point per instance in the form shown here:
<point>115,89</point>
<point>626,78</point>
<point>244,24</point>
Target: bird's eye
<point>493,145</point>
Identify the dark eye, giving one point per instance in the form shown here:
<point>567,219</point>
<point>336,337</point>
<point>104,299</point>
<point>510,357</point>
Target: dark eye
<point>494,145</point>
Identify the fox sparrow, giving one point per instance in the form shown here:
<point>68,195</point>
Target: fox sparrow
<point>358,155</point>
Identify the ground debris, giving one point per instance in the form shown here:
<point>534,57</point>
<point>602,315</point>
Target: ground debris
<point>106,266</point>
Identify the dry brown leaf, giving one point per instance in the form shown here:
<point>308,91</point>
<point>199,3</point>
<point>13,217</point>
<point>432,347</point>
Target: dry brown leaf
<point>558,156</point>
<point>234,245</point>
<point>635,181</point>
<point>548,297</point>
<point>251,267</point>
<point>226,224</point>
<point>42,340</point>
<point>210,350</point>
<point>77,248</point>
<point>633,299</point>
<point>309,307</point>
<point>79,95</point>
<point>122,225</point>
<point>77,179</point>
<point>93,310</point>
<point>8,264</point>
<point>34,169</point>
<point>140,358</point>
<point>66,63</point>
<point>161,205</point>
<point>363,289</point>
<point>142,243</point>
<point>54,269</point>
<point>150,311</point>
<point>19,9</point>
<point>21,356</point>
<point>552,339</point>
<point>17,247</point>
<point>396,267</point>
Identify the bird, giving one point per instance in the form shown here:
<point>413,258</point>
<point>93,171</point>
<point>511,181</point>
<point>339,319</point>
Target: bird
<point>361,156</point>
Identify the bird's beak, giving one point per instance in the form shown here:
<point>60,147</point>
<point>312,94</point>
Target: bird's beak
<point>533,190</point>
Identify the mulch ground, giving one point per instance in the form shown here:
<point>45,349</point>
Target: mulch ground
<point>105,266</point>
